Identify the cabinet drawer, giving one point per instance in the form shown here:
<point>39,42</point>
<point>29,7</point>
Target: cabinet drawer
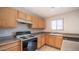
<point>7,46</point>
<point>15,48</point>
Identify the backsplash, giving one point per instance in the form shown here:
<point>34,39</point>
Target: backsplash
<point>37,30</point>
<point>19,27</point>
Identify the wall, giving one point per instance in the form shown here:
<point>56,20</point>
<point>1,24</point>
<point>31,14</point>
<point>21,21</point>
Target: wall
<point>71,22</point>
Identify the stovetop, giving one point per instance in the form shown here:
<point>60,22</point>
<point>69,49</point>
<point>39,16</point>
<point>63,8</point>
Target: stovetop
<point>27,36</point>
<point>24,35</point>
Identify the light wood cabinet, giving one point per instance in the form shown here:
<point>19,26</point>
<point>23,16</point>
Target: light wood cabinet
<point>29,17</point>
<point>43,39</point>
<point>7,17</point>
<point>15,46</point>
<point>51,40</point>
<point>54,41</point>
<point>35,22</point>
<point>41,23</point>
<point>21,15</point>
<point>58,41</point>
<point>40,41</point>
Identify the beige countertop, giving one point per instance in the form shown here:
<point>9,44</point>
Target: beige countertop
<point>7,40</point>
<point>66,35</point>
<point>56,34</point>
<point>73,35</point>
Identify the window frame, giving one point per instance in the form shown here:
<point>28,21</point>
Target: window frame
<point>56,25</point>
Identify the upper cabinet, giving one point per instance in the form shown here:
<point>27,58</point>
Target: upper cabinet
<point>38,22</point>
<point>29,17</point>
<point>35,22</point>
<point>41,23</point>
<point>24,17</point>
<point>21,15</point>
<point>7,17</point>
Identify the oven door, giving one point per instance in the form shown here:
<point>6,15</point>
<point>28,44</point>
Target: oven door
<point>30,45</point>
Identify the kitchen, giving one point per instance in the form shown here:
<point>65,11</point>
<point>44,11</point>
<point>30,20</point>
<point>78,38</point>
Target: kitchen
<point>39,29</point>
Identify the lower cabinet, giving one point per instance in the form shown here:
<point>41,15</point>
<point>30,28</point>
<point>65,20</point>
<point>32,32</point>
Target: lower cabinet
<point>41,41</point>
<point>58,41</point>
<point>54,41</point>
<point>50,40</point>
<point>15,46</point>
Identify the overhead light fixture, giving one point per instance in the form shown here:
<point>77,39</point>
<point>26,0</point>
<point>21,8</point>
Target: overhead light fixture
<point>52,7</point>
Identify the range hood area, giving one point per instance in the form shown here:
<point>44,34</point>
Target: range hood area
<point>24,21</point>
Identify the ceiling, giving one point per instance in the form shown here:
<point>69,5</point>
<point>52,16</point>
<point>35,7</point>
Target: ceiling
<point>49,11</point>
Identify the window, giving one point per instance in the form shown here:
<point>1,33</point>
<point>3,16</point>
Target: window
<point>57,24</point>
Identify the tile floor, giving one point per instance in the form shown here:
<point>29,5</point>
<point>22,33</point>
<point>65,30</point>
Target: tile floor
<point>66,46</point>
<point>47,48</point>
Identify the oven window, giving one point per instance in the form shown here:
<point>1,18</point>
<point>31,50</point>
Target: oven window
<point>30,45</point>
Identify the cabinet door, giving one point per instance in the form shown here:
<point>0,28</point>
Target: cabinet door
<point>38,22</point>
<point>35,22</point>
<point>51,40</point>
<point>46,38</point>
<point>16,48</point>
<point>29,17</point>
<point>58,41</point>
<point>39,42</point>
<point>7,17</point>
<point>41,23</point>
<point>43,39</point>
<point>21,15</point>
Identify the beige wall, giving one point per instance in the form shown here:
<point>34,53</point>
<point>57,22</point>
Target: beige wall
<point>71,22</point>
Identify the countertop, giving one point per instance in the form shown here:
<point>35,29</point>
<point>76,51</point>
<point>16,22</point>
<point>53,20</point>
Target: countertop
<point>67,35</point>
<point>7,39</point>
<point>73,35</point>
<point>10,39</point>
<point>70,35</point>
<point>41,32</point>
